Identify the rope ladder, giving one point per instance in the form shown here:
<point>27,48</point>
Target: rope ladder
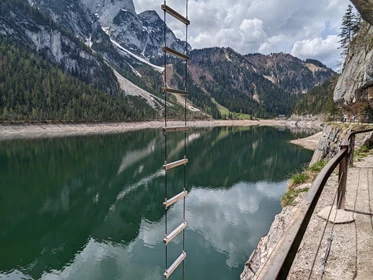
<point>169,236</point>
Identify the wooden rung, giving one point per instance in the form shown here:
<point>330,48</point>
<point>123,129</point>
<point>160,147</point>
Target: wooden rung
<point>172,200</point>
<point>175,53</point>
<point>174,233</point>
<point>176,263</point>
<point>175,128</point>
<point>177,91</point>
<point>174,164</point>
<point>175,14</point>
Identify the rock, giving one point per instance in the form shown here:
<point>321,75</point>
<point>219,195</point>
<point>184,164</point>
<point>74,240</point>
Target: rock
<point>365,8</point>
<point>328,145</point>
<point>354,91</point>
<point>267,243</point>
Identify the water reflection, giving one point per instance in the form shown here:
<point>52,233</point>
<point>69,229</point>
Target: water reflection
<point>91,207</point>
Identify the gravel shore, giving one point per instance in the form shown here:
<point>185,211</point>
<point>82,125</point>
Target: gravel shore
<point>12,131</point>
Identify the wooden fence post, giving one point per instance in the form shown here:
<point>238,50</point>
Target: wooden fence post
<point>351,150</point>
<point>342,179</point>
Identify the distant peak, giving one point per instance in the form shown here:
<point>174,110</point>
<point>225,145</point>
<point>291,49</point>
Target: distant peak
<point>150,15</point>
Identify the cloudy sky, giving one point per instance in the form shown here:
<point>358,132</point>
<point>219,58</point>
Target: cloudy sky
<point>304,28</point>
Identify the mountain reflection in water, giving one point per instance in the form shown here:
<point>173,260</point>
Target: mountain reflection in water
<point>91,207</point>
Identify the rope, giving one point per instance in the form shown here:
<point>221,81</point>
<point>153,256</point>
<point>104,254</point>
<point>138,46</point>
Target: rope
<point>326,224</point>
<point>185,133</point>
<point>165,134</point>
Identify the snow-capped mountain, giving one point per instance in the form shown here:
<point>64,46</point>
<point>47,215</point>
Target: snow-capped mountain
<point>139,33</point>
<point>70,14</point>
<point>107,10</point>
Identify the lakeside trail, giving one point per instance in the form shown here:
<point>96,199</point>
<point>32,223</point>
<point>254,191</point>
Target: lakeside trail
<point>351,252</point>
<point>14,131</point>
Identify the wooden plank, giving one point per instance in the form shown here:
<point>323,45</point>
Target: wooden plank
<point>176,263</point>
<point>174,233</point>
<point>175,128</point>
<point>174,164</point>
<point>174,199</point>
<point>175,14</point>
<point>175,53</point>
<point>176,91</point>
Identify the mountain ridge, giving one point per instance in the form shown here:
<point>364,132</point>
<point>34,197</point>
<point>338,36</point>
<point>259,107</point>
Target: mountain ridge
<point>254,84</point>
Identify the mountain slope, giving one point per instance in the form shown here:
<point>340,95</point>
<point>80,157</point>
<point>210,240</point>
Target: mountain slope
<point>33,89</point>
<point>288,72</point>
<point>68,34</point>
<point>70,14</point>
<point>232,81</point>
<point>32,29</point>
<point>319,100</point>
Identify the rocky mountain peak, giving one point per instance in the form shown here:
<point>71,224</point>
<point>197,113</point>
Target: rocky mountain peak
<point>70,14</point>
<point>150,16</point>
<point>107,10</point>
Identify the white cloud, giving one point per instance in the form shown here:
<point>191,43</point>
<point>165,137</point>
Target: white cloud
<point>256,25</point>
<point>317,48</point>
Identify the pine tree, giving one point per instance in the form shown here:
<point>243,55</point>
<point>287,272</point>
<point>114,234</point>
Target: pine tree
<point>351,22</point>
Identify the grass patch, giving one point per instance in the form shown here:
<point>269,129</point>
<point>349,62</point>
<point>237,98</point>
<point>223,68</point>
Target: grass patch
<point>291,195</point>
<point>318,166</point>
<point>224,112</point>
<point>362,152</point>
<point>306,176</point>
<point>299,178</point>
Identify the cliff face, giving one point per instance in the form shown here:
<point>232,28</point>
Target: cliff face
<point>354,90</point>
<point>365,8</point>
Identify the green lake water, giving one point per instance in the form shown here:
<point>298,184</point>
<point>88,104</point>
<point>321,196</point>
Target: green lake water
<point>90,208</point>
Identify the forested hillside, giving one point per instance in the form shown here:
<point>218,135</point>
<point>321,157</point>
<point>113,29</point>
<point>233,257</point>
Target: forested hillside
<point>319,100</point>
<point>32,89</point>
<point>290,73</point>
<point>232,81</point>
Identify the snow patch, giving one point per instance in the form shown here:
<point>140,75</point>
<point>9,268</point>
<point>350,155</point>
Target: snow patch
<point>158,68</point>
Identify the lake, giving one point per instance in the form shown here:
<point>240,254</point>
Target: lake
<point>91,207</point>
